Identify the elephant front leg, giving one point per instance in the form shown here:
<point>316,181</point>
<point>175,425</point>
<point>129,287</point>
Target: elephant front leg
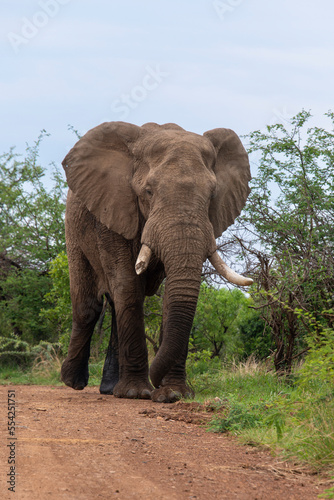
<point>174,385</point>
<point>133,361</point>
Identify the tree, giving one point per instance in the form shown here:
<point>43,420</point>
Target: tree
<point>256,335</point>
<point>216,322</point>
<point>31,235</point>
<point>57,309</point>
<point>287,232</point>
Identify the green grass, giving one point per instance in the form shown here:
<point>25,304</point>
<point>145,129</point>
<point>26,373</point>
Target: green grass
<point>25,376</point>
<point>245,383</point>
<point>291,419</point>
<point>44,372</point>
<point>294,420</point>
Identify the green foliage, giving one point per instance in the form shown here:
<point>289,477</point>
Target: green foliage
<point>14,351</point>
<point>300,164</point>
<point>256,336</point>
<point>319,361</point>
<point>307,414</point>
<point>58,313</point>
<point>31,218</point>
<point>31,235</point>
<point>238,418</point>
<point>288,226</point>
<point>23,291</point>
<point>329,493</point>
<point>218,322</point>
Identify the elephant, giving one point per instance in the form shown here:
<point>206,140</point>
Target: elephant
<point>146,203</point>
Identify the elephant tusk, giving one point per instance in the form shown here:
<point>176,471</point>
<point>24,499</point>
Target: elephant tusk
<point>231,276</point>
<point>143,259</point>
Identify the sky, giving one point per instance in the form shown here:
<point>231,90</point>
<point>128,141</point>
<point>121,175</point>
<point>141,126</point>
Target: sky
<point>202,64</point>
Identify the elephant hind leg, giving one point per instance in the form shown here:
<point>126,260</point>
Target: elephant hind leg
<point>110,374</point>
<point>86,309</point>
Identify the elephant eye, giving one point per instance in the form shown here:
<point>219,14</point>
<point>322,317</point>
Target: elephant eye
<point>213,194</point>
<point>148,191</point>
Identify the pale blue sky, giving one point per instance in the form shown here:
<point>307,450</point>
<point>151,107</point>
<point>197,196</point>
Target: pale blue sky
<point>200,63</point>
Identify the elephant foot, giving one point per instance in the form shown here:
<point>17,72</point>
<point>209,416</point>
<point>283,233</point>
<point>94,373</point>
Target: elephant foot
<point>74,377</point>
<point>109,381</point>
<point>133,389</point>
<point>108,386</point>
<point>170,393</point>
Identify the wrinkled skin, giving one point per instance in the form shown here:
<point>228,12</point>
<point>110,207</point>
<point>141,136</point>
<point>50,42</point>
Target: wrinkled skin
<point>169,189</point>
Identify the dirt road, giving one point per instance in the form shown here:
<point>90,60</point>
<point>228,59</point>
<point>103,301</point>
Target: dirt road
<point>81,445</point>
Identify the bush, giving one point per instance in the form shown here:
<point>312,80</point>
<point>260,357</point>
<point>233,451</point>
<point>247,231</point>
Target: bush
<point>14,351</point>
<point>216,326</point>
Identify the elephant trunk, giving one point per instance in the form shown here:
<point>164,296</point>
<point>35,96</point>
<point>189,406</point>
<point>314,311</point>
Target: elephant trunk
<point>182,244</point>
<point>180,300</point>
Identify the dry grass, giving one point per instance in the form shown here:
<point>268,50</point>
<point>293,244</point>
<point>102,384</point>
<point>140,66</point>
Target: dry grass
<point>249,367</point>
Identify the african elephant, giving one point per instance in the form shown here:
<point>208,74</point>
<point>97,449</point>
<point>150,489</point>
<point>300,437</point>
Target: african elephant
<point>145,203</point>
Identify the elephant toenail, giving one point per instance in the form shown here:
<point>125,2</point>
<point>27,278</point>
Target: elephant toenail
<point>175,395</point>
<point>132,393</point>
<point>146,394</point>
<point>161,398</point>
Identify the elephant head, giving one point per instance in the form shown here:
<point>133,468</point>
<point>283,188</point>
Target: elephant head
<point>174,190</point>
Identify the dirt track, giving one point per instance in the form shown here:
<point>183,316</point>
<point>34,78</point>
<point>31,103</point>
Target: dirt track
<point>81,445</point>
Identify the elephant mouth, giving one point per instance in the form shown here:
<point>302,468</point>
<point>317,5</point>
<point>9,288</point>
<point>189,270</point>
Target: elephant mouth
<point>221,267</point>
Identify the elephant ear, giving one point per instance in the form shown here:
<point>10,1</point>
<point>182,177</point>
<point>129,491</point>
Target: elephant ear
<point>233,175</point>
<point>99,171</point>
